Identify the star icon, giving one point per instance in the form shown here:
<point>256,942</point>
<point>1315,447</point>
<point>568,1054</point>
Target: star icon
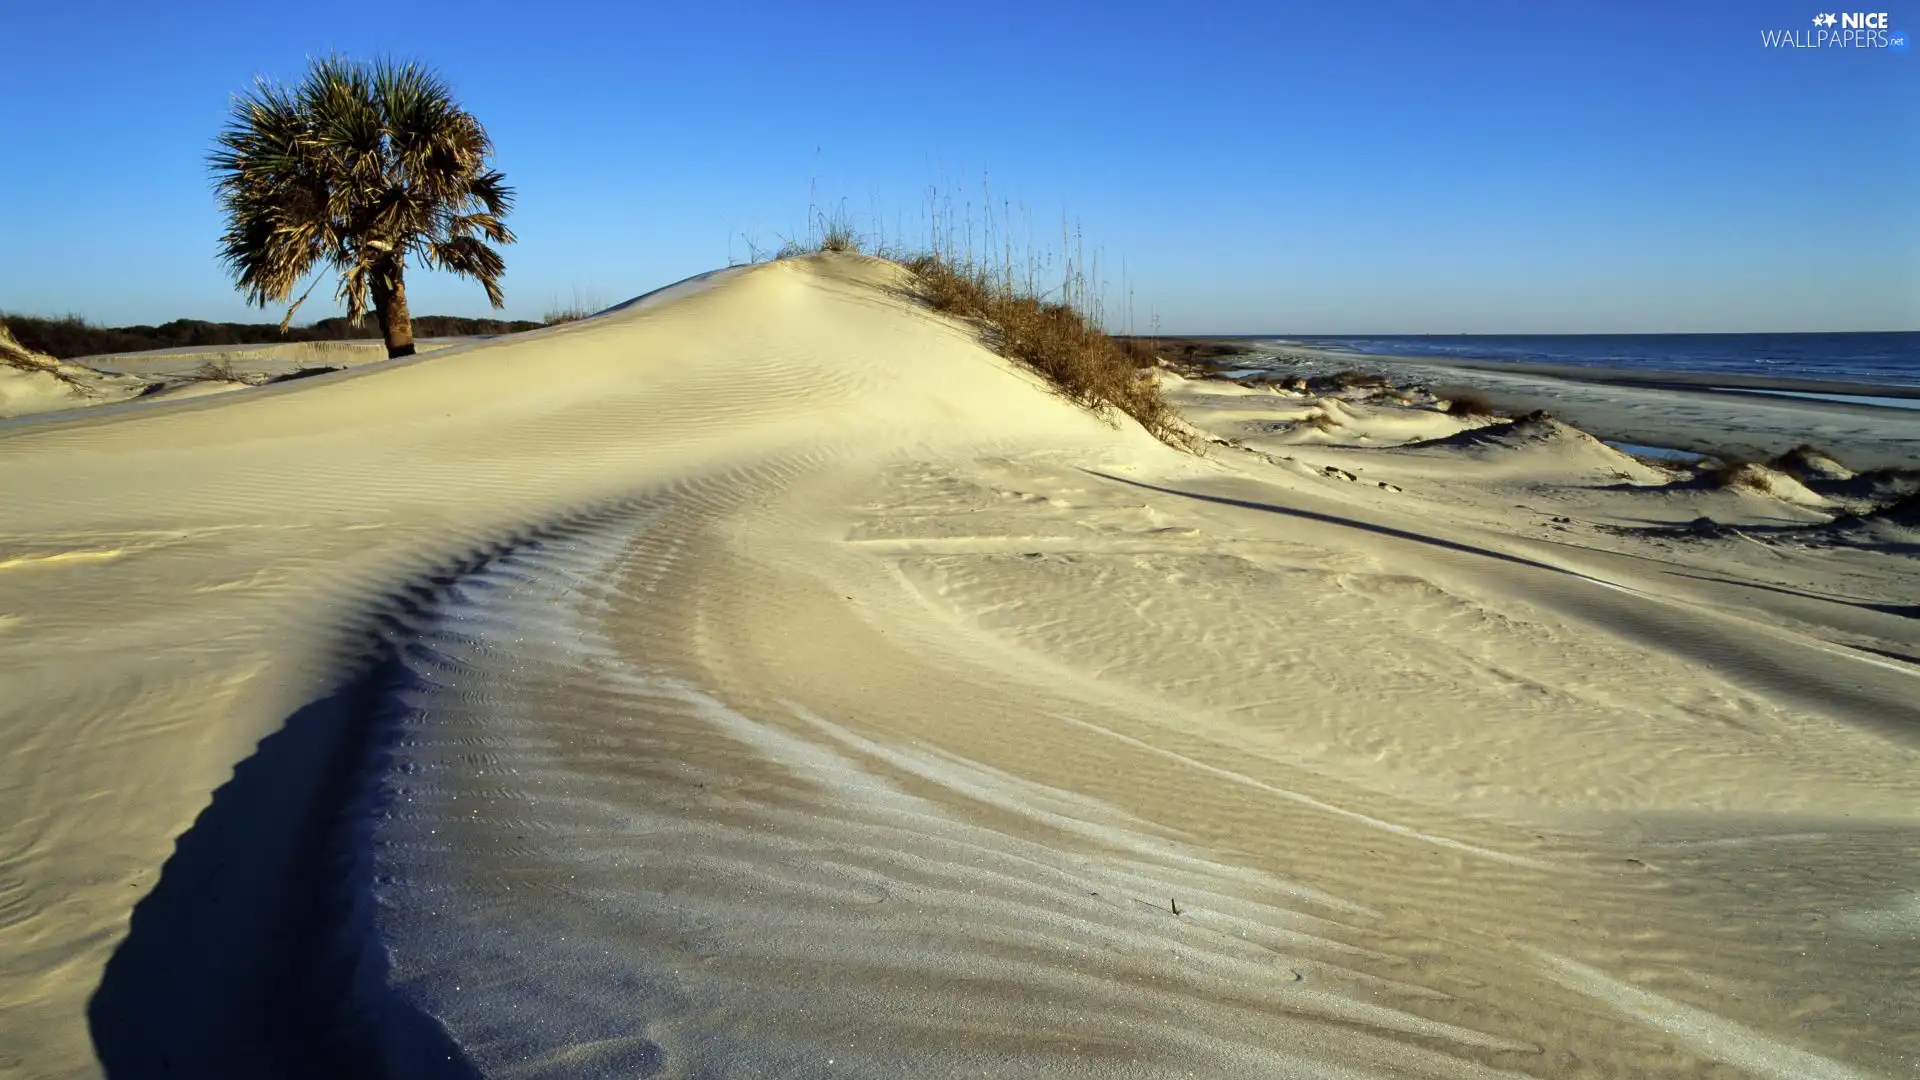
<point>1824,20</point>
<point>1830,19</point>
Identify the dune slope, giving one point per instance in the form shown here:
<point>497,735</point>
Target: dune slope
<point>765,675</point>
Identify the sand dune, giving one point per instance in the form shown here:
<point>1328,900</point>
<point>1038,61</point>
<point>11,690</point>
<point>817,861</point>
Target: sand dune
<point>765,679</point>
<point>122,378</point>
<point>33,383</point>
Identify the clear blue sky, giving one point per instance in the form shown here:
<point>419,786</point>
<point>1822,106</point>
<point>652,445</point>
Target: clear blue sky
<point>1517,166</point>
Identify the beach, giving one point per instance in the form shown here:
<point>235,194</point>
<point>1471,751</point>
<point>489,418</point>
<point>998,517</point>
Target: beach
<point>765,677</point>
<point>1876,424</point>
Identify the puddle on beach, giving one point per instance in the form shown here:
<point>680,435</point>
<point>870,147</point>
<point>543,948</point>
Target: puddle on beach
<point>1658,453</point>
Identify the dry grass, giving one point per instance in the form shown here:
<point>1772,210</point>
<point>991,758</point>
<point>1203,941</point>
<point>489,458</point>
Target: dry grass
<point>1731,471</point>
<point>221,371</point>
<point>1810,463</point>
<point>1194,355</point>
<point>1056,338</point>
<point>583,305</point>
<point>20,358</point>
<point>1467,404</point>
<point>1057,332</point>
<point>831,232</point>
<point>1349,382</point>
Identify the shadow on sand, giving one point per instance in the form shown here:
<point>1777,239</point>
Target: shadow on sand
<point>254,955</point>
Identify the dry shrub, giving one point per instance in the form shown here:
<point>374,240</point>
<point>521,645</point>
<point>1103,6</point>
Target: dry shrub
<point>1736,471</point>
<point>1904,511</point>
<point>1348,381</point>
<point>1198,354</point>
<point>19,357</point>
<point>15,355</point>
<point>1361,380</point>
<point>1810,463</point>
<point>1467,404</point>
<point>838,235</point>
<point>1059,340</point>
<point>216,371</point>
<point>831,232</point>
<point>583,305</point>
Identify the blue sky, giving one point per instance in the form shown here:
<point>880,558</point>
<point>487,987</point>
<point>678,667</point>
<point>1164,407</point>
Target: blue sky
<point>1327,168</point>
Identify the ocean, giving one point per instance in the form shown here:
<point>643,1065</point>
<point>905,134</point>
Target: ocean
<point>1880,358</point>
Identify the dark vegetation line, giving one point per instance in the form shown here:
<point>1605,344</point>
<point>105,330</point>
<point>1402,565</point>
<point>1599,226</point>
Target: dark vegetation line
<point>72,336</point>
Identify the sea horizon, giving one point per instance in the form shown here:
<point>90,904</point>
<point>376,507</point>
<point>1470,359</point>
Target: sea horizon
<point>1864,356</point>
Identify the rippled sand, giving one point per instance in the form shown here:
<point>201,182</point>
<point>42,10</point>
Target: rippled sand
<point>778,684</point>
<point>673,808</point>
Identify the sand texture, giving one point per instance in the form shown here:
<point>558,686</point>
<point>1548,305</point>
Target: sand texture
<point>765,679</point>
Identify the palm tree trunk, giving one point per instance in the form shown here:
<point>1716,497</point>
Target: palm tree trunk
<point>390,308</point>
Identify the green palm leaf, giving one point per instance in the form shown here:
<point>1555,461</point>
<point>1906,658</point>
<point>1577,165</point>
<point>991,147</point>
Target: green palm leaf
<point>349,171</point>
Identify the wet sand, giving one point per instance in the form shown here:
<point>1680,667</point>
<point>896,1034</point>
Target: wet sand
<point>1688,411</point>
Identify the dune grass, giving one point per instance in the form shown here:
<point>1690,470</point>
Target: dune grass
<point>20,358</point>
<point>583,305</point>
<point>1730,470</point>
<point>1055,337</point>
<point>830,231</point>
<point>996,286</point>
<point>1468,405</point>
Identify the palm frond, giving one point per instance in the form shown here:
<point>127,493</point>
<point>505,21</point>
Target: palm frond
<point>351,168</point>
<point>468,257</point>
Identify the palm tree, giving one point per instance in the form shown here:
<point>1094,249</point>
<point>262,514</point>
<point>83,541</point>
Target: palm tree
<point>353,169</point>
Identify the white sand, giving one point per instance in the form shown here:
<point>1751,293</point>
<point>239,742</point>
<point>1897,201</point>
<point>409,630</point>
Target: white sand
<point>121,378</point>
<point>867,702</point>
<point>25,391</point>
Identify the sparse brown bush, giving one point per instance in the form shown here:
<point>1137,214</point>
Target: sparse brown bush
<point>19,357</point>
<point>1352,380</point>
<point>15,355</point>
<point>1467,404</point>
<point>838,235</point>
<point>583,305</point>
<point>1809,462</point>
<point>217,371</point>
<point>831,232</point>
<point>1349,381</point>
<point>1198,354</point>
<point>1057,339</point>
<point>1736,471</point>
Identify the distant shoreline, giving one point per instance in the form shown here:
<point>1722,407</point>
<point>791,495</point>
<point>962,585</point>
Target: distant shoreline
<point>1656,379</point>
<point>1221,358</point>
